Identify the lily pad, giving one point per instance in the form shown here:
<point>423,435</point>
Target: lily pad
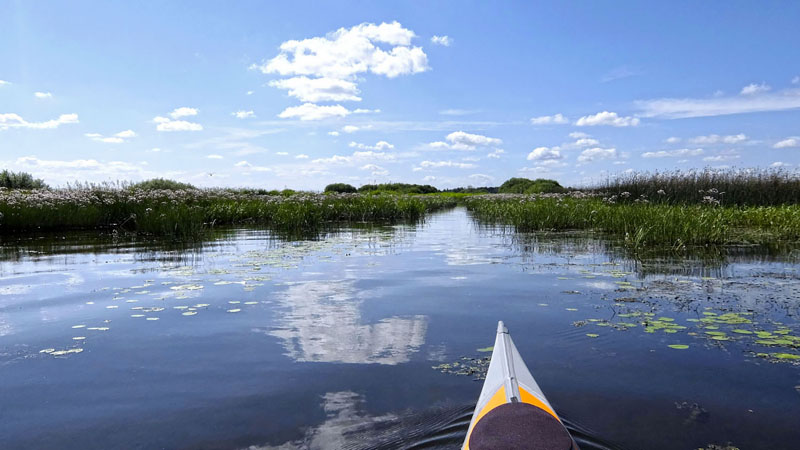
<point>678,346</point>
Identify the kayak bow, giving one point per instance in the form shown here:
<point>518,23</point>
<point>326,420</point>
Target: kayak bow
<point>512,412</point>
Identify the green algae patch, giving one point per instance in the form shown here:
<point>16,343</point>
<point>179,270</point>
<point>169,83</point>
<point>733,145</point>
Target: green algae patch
<point>592,335</point>
<point>740,331</point>
<point>786,356</point>
<point>486,349</point>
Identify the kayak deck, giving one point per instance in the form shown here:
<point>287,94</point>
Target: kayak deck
<point>512,411</point>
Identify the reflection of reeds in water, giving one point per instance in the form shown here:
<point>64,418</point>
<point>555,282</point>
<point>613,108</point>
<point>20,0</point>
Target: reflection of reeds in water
<point>702,261</point>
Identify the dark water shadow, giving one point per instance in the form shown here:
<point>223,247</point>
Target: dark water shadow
<point>348,427</point>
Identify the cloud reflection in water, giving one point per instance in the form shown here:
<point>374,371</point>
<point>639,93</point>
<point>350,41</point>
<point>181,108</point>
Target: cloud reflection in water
<point>322,323</point>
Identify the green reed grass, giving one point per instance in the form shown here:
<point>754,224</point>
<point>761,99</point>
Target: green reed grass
<point>189,212</point>
<point>742,187</point>
<point>642,224</point>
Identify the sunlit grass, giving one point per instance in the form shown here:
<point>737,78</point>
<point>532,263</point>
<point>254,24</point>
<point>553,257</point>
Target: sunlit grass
<point>190,212</point>
<point>642,224</point>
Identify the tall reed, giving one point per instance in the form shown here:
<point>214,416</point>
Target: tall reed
<point>744,187</point>
<point>189,212</point>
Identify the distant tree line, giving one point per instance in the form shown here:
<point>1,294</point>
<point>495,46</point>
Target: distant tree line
<point>511,186</point>
<point>400,188</point>
<point>23,180</point>
<point>20,180</point>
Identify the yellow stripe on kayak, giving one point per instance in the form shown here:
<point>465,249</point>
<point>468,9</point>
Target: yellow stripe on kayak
<point>499,398</point>
<point>529,398</point>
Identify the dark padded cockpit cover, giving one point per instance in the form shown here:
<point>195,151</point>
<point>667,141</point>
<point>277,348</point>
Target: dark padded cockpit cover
<point>519,426</point>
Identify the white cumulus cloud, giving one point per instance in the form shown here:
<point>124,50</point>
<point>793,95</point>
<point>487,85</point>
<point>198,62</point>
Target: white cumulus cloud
<point>347,52</point>
<point>442,40</point>
<point>545,153</point>
<point>754,88</point>
<point>460,140</point>
<point>495,154</point>
<point>171,124</point>
<point>350,129</point>
<point>607,118</point>
<point>242,114</point>
<point>183,112</point>
<point>547,120</point>
<point>712,139</point>
<point>380,146</point>
<point>788,143</point>
<point>42,95</point>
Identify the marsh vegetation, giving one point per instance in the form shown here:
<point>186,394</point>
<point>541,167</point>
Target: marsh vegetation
<point>189,212</point>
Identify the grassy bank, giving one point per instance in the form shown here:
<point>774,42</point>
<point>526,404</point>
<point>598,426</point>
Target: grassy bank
<point>642,224</point>
<point>732,187</point>
<point>188,212</point>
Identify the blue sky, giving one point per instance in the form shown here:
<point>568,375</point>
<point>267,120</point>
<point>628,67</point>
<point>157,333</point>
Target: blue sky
<point>302,94</point>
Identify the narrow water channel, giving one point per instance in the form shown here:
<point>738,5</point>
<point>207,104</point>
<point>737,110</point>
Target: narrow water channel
<point>371,338</point>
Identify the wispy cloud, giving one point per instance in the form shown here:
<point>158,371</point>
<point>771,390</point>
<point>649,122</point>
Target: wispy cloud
<point>440,164</point>
<point>458,112</point>
<point>311,111</point>
<point>42,95</point>
<point>117,138</point>
<point>11,120</point>
<point>597,153</point>
<point>683,152</point>
<point>680,108</point>
<point>319,89</point>
<point>620,73</point>
<point>725,155</point>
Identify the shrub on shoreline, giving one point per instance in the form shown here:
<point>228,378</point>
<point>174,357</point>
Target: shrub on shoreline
<point>20,180</point>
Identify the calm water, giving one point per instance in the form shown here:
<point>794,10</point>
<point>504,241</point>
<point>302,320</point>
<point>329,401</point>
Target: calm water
<point>254,342</point>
